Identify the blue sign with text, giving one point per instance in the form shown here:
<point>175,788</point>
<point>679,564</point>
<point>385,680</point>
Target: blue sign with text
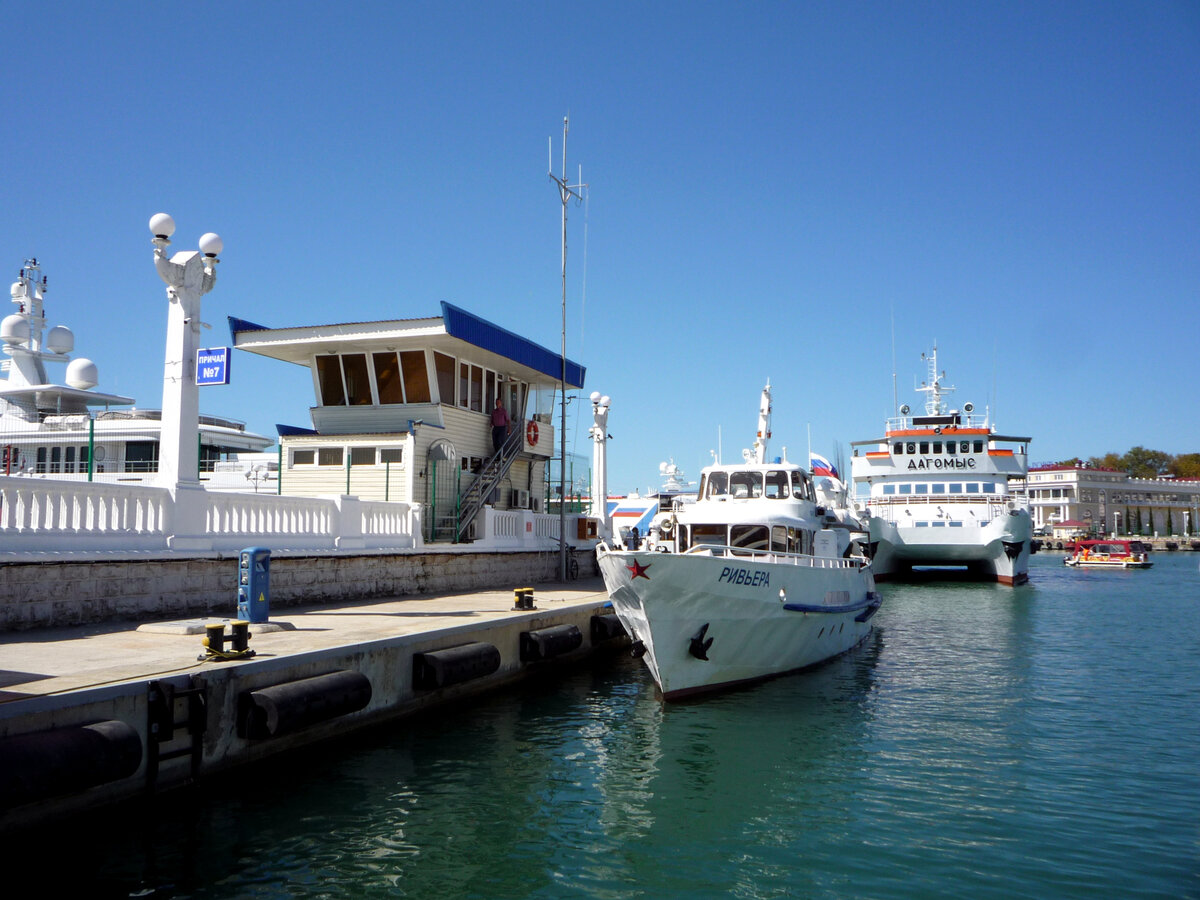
<point>212,366</point>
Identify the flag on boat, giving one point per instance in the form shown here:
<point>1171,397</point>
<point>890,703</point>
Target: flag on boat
<point>821,466</point>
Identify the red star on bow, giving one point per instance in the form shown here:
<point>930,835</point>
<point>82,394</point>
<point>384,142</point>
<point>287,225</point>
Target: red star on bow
<point>638,570</point>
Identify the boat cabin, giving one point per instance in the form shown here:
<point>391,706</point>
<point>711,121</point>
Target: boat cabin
<point>404,411</point>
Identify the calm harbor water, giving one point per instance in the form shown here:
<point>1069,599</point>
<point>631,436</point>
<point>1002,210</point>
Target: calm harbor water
<point>986,742</point>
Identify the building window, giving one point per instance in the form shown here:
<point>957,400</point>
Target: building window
<point>358,385</point>
<point>362,456</point>
<point>391,454</point>
<point>387,378</point>
<point>329,377</point>
<point>476,389</point>
<point>444,366</point>
<point>329,456</point>
<point>416,376</point>
<point>304,457</point>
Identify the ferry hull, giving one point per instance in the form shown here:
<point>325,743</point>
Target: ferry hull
<point>683,607</point>
<point>998,551</point>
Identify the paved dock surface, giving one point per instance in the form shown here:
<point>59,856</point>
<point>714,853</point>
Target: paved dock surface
<point>41,663</point>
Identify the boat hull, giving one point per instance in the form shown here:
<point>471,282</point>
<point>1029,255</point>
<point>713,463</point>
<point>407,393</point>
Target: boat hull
<point>998,551</point>
<point>707,622</point>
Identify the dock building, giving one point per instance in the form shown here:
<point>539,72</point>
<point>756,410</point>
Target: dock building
<point>1107,501</point>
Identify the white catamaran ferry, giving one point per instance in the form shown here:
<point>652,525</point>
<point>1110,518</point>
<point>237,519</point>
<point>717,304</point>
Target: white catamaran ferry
<point>752,580</point>
<point>939,491</point>
<point>70,431</point>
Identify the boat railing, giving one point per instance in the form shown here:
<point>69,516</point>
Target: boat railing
<point>907,423</point>
<point>778,556</point>
<point>890,509</point>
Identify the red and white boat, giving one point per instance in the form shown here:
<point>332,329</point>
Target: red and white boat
<point>1109,554</point>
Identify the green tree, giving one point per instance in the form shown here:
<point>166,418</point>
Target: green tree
<point>1186,465</point>
<point>1073,461</point>
<point>1142,463</point>
<point>1109,460</point>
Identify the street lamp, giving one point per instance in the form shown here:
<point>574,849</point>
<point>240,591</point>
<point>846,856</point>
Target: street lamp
<point>599,435</point>
<point>189,275</point>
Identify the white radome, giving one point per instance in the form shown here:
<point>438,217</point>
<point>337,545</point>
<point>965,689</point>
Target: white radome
<point>82,374</point>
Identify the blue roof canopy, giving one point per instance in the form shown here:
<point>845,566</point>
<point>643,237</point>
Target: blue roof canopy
<point>483,334</point>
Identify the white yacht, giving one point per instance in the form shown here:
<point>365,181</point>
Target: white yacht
<point>938,492</point>
<point>70,431</point>
<point>753,579</point>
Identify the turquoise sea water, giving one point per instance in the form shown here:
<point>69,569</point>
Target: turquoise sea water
<point>1042,741</point>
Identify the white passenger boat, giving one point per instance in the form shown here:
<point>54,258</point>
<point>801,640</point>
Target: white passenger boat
<point>70,431</point>
<point>938,492</point>
<point>757,579</point>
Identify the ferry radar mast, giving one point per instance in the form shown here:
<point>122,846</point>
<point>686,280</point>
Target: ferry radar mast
<point>933,388</point>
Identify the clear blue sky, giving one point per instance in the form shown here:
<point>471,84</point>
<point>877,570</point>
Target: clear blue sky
<point>771,185</point>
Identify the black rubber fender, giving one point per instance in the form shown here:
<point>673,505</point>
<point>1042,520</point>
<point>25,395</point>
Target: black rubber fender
<point>66,760</point>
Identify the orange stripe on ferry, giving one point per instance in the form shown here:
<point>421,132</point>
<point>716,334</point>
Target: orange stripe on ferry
<point>1000,453</point>
<point>877,454</point>
<point>916,432</point>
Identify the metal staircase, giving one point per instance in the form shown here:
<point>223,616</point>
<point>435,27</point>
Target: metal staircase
<point>474,498</point>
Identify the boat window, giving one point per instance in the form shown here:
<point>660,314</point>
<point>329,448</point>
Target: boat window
<point>747,538</point>
<point>972,487</point>
<point>777,485</point>
<point>922,488</point>
<point>304,457</point>
<point>989,487</point>
<point>329,456</point>
<point>924,446</point>
<point>954,524</point>
<point>715,484</point>
<point>329,377</point>
<point>939,489</point>
<point>779,539</point>
<point>979,446</point>
<point>141,456</point>
<point>912,447</point>
<point>965,447</point>
<point>951,446</point>
<point>712,535</point>
<point>956,488</point>
<point>387,377</point>
<point>83,459</point>
<point>906,488</point>
<point>69,460</point>
<point>416,376</point>
<point>55,459</point>
<point>746,484</point>
<point>889,489</point>
<point>937,446</point>
<point>362,456</point>
<point>898,447</point>
<point>801,487</point>
<point>358,385</point>
<point>444,367</point>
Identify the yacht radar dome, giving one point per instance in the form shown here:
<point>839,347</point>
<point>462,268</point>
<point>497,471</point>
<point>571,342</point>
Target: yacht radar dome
<point>60,340</point>
<point>82,374</point>
<point>14,329</point>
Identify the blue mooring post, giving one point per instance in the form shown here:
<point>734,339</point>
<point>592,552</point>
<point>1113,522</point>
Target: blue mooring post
<point>254,584</point>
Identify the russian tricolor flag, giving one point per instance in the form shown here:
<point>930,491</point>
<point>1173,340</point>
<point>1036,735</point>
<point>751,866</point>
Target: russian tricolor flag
<point>821,466</point>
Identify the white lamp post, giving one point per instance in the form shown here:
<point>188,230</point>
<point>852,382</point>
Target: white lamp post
<point>189,275</point>
<point>599,435</point>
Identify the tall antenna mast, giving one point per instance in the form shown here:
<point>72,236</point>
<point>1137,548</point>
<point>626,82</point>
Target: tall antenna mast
<point>566,192</point>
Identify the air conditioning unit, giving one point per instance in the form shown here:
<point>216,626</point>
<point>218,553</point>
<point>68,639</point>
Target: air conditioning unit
<point>520,499</point>
<point>536,504</point>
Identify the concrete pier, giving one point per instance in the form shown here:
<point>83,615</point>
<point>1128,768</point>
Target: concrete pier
<point>92,715</point>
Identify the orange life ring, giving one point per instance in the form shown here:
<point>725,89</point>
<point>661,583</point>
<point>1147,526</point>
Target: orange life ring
<point>531,432</point>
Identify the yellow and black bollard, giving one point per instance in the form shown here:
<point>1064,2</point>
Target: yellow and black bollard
<point>214,641</point>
